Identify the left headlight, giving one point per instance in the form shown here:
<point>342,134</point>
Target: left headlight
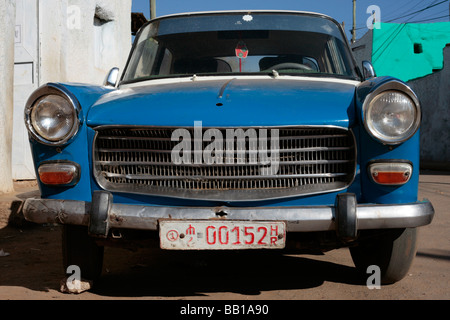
<point>52,116</point>
<point>392,113</point>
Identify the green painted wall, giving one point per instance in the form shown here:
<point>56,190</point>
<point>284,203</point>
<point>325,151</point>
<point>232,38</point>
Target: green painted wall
<point>394,45</point>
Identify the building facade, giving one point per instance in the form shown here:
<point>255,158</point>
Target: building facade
<point>419,55</point>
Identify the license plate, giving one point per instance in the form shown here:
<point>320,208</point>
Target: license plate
<point>221,235</point>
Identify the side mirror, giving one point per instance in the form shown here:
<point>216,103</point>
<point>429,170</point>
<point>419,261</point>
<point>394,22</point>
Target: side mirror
<point>112,78</point>
<point>368,70</point>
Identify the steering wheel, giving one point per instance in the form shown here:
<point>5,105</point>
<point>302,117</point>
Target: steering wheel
<point>290,65</point>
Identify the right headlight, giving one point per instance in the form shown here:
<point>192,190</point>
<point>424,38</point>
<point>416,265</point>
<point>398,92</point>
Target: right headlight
<point>52,116</point>
<point>392,113</point>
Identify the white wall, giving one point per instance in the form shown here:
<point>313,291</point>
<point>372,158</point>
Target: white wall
<point>81,40</point>
<point>63,41</point>
<point>7,16</point>
<point>26,67</point>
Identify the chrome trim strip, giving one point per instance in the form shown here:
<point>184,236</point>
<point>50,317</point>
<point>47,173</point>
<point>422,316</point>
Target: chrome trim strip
<point>241,151</point>
<point>225,139</point>
<point>298,219</point>
<point>274,176</point>
<point>291,126</point>
<point>222,164</point>
<point>234,195</point>
<point>188,78</point>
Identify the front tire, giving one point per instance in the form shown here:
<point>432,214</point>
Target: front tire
<point>81,250</point>
<point>393,251</point>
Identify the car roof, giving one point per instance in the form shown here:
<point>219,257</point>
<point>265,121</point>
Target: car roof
<point>186,14</point>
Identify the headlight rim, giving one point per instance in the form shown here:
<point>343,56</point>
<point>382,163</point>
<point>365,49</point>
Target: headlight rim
<point>59,90</point>
<point>402,88</point>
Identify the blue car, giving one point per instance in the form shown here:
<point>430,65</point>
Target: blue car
<point>238,130</point>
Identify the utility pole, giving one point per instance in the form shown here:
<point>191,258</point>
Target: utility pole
<point>354,22</point>
<point>152,9</point>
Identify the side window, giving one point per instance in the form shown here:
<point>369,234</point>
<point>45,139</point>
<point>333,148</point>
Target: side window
<point>166,63</point>
<point>144,58</point>
<point>327,62</point>
<point>147,58</point>
<point>335,57</point>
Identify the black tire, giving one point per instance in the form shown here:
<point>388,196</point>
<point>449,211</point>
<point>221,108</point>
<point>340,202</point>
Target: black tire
<point>393,251</point>
<point>80,249</point>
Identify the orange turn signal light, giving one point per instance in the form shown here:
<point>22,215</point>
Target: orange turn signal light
<point>58,173</point>
<point>387,173</point>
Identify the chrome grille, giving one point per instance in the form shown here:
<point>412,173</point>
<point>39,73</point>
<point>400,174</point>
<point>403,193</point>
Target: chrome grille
<point>139,160</point>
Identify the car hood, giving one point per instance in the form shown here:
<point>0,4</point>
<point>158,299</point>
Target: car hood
<point>228,102</point>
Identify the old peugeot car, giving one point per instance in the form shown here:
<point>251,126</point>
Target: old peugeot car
<point>233,131</point>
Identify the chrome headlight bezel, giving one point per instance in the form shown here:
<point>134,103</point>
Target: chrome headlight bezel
<point>40,94</point>
<point>397,88</point>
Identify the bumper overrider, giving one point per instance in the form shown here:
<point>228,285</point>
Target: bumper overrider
<point>346,217</point>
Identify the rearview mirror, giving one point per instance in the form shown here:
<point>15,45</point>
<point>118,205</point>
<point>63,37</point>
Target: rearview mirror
<point>112,78</point>
<point>368,70</point>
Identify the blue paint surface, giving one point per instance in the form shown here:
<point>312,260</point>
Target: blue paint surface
<point>242,102</point>
<point>239,102</point>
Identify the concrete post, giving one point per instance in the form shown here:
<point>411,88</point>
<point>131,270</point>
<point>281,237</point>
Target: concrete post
<point>7,29</point>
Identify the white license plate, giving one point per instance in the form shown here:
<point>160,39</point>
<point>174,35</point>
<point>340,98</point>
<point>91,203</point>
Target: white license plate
<point>221,235</point>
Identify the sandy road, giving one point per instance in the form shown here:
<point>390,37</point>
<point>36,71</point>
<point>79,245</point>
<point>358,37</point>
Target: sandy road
<point>33,268</point>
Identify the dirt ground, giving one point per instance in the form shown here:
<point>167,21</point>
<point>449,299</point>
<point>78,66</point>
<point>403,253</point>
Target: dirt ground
<point>31,266</point>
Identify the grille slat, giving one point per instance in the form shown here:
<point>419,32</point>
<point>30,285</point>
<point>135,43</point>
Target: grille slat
<point>202,177</point>
<point>244,151</point>
<point>308,160</point>
<point>150,163</point>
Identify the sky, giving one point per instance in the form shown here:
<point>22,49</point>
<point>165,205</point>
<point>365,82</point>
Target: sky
<point>399,11</point>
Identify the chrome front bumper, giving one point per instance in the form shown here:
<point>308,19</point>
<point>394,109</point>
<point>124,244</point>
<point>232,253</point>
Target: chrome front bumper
<point>298,219</point>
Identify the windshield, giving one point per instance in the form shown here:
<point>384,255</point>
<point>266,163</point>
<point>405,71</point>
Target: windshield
<point>239,43</point>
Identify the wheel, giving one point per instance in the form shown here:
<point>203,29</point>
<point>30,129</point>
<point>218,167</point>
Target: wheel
<point>81,250</point>
<point>393,251</point>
